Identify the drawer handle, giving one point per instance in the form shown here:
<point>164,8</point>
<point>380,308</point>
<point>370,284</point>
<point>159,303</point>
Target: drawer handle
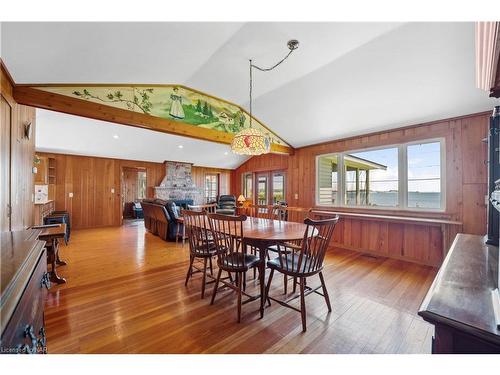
<point>29,333</point>
<point>42,341</point>
<point>38,344</point>
<point>46,280</point>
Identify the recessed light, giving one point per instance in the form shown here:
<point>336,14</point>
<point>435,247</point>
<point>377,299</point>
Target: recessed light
<point>226,153</point>
<point>181,146</point>
<point>115,136</point>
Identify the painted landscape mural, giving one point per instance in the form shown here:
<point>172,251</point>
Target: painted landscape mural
<point>172,102</point>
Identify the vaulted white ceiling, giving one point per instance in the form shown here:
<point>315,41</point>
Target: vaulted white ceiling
<point>345,79</point>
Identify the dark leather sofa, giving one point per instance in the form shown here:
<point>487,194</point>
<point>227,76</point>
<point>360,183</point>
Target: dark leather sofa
<point>160,217</point>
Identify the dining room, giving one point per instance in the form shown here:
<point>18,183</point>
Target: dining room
<point>251,187</point>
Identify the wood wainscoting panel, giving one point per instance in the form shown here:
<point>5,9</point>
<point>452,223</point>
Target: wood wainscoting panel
<point>474,218</point>
<point>474,130</point>
<point>17,178</point>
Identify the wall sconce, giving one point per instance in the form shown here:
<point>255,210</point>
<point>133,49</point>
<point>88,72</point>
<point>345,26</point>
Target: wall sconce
<point>27,130</point>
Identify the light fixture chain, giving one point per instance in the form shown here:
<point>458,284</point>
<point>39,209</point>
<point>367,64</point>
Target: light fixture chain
<point>274,66</point>
<point>251,88</point>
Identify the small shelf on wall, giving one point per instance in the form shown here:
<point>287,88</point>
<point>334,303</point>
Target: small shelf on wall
<point>52,177</point>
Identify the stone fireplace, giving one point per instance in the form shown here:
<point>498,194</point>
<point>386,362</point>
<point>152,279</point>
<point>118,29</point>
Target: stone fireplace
<point>178,183</point>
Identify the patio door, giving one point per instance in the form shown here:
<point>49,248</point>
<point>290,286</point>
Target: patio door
<point>270,187</point>
<point>261,188</point>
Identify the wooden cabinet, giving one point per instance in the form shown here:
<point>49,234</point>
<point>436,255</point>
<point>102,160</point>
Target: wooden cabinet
<point>23,292</point>
<point>459,302</point>
<point>42,210</point>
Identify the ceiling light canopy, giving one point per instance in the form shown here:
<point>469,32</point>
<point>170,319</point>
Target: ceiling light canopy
<point>252,141</point>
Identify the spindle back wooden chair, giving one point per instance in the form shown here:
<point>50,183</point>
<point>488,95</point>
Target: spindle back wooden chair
<point>201,244</point>
<point>208,208</point>
<point>294,214</point>
<point>305,261</point>
<point>263,211</point>
<point>232,256</point>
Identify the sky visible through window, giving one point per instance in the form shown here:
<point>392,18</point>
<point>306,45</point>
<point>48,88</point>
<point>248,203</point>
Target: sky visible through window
<point>424,167</point>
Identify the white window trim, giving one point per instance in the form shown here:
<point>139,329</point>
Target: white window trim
<point>402,178</point>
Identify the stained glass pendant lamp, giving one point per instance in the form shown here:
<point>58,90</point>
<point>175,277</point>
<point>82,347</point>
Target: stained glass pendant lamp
<point>251,141</point>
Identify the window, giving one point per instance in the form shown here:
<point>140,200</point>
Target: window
<point>262,189</point>
<point>211,187</point>
<point>327,179</point>
<point>141,185</point>
<point>247,186</point>
<point>371,178</point>
<point>278,187</point>
<point>424,175</point>
<point>406,176</point>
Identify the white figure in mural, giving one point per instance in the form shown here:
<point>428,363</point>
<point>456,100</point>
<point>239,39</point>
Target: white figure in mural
<point>176,110</point>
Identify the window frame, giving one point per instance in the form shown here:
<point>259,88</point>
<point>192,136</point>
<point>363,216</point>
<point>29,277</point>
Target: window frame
<point>244,186</point>
<point>402,177</point>
<point>217,186</point>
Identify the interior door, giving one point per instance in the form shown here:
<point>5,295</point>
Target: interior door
<point>5,180</point>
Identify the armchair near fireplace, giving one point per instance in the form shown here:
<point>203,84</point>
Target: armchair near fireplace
<point>226,205</point>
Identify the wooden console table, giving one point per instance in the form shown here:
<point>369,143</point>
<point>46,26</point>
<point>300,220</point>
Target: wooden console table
<point>459,301</point>
<point>51,234</point>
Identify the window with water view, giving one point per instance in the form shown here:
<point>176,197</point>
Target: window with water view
<point>424,175</point>
<point>406,176</point>
<point>371,178</point>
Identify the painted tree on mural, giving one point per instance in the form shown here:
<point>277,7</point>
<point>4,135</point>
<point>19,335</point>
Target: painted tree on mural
<point>140,100</point>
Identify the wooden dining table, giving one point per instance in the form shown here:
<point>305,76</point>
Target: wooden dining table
<point>262,233</point>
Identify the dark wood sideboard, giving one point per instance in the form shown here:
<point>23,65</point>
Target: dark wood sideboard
<point>459,302</point>
<point>24,281</point>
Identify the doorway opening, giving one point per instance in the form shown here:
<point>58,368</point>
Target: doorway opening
<point>134,188</point>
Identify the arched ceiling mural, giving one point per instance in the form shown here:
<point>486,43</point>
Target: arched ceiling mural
<point>170,102</point>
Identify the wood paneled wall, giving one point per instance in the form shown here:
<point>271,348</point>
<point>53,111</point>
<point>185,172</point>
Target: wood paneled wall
<point>91,180</point>
<point>466,186</point>
<point>17,155</point>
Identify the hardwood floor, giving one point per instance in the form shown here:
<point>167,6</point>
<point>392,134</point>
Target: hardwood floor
<point>125,293</point>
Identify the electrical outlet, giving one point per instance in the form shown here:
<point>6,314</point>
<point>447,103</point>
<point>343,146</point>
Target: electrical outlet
<point>296,196</point>
<point>112,191</point>
<point>70,195</point>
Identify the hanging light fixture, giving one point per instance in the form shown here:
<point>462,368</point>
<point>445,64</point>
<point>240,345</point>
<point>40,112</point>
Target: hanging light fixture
<point>251,141</point>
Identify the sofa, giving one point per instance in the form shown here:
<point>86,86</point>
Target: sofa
<point>160,217</point>
<point>226,205</point>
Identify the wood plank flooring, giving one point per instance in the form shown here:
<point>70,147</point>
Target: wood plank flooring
<point>125,293</point>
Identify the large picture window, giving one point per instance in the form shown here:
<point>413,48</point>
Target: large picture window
<point>406,176</point>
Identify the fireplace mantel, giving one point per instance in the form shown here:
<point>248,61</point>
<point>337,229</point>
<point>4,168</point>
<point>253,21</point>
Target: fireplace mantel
<point>178,183</point>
